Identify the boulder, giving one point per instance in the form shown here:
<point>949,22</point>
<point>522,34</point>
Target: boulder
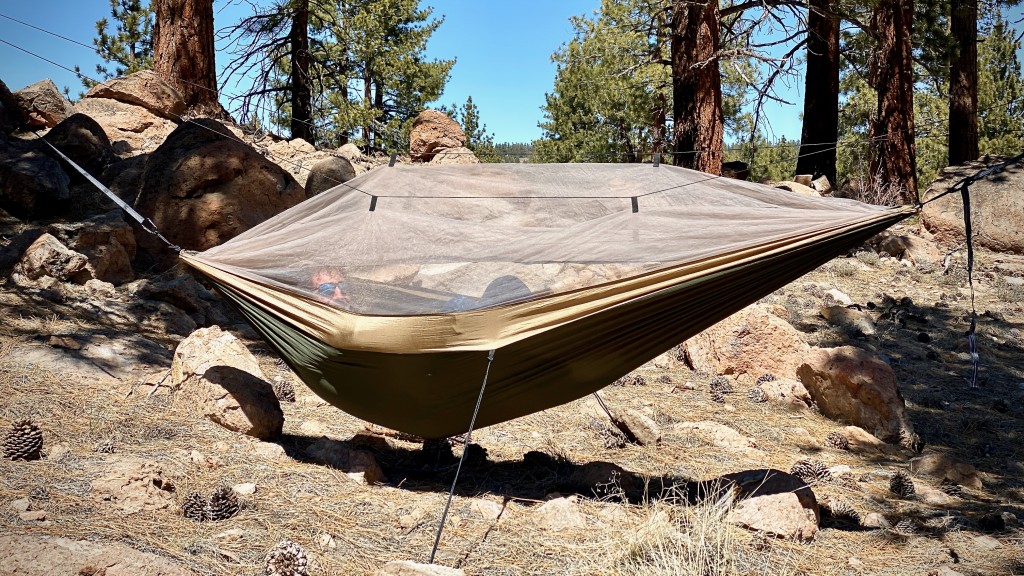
<point>851,320</point>
<point>32,184</point>
<point>146,89</point>
<point>327,174</point>
<point>38,555</point>
<point>460,155</point>
<point>43,104</point>
<point>10,113</point>
<point>132,485</point>
<point>560,514</point>
<point>82,139</point>
<point>861,441</point>
<point>749,343</point>
<point>202,187</point>
<point>48,256</point>
<point>718,435</point>
<point>359,465</point>
<point>432,130</point>
<point>856,387</point>
<point>107,242</point>
<point>943,467</point>
<point>797,187</point>
<point>997,207</point>
<point>219,377</point>
<point>907,247</point>
<point>822,185</point>
<point>774,502</point>
<point>788,393</point>
<point>131,129</point>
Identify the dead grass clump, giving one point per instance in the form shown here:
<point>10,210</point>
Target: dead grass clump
<point>1007,291</point>
<point>680,540</point>
<point>867,257</point>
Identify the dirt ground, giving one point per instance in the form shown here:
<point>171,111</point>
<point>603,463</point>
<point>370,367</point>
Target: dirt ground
<point>97,415</point>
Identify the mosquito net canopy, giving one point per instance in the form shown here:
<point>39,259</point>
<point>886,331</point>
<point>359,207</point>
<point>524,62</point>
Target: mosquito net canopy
<point>388,294</point>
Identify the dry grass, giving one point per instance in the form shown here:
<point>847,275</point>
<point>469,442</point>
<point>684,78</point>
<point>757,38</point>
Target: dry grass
<point>349,528</point>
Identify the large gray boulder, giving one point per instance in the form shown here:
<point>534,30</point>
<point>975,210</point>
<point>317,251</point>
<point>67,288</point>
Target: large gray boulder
<point>432,131</point>
<point>43,104</point>
<point>32,184</point>
<point>83,140</point>
<point>997,207</point>
<point>202,187</point>
<point>327,174</point>
<point>146,89</point>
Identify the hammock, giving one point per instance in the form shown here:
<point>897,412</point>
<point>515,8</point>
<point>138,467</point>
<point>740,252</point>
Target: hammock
<point>386,294</point>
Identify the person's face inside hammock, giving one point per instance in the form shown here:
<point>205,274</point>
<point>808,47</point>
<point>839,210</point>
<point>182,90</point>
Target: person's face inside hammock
<point>330,285</point>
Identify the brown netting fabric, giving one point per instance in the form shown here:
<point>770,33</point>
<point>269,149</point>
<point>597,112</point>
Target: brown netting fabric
<point>425,240</point>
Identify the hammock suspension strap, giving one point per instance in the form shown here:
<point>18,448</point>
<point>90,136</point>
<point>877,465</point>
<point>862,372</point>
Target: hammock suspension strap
<point>469,439</point>
<point>146,224</point>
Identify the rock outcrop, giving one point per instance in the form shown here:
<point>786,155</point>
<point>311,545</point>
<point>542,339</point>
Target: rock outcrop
<point>432,132</point>
<point>43,104</point>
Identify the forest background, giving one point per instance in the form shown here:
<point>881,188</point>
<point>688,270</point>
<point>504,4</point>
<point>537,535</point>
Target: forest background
<point>369,69</point>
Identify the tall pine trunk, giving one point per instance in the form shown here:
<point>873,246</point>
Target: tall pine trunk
<point>821,92</point>
<point>696,86</point>
<point>183,52</point>
<point>893,161</point>
<point>963,82</point>
<point>302,92</point>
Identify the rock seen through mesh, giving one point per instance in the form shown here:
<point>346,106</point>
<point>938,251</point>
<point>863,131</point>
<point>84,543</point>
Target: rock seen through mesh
<point>24,441</point>
<point>287,559</point>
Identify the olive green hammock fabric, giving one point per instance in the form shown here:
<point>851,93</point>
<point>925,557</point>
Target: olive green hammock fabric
<point>386,293</point>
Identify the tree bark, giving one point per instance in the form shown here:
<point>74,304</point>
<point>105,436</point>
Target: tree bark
<point>696,86</point>
<point>963,82</point>
<point>893,162</point>
<point>183,52</point>
<point>302,92</point>
<point>821,92</point>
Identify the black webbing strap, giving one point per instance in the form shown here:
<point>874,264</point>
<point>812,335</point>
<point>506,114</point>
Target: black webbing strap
<point>465,449</point>
<point>145,223</point>
<point>972,341</point>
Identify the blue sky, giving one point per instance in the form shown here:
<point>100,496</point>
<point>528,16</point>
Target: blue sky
<point>503,52</point>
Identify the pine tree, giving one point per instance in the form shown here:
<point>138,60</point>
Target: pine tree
<point>183,52</point>
<point>1001,91</point>
<point>129,46</point>
<point>477,138</point>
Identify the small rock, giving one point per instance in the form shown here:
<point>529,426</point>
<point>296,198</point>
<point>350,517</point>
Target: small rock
<point>486,509</point>
<point>849,319</point>
<point>941,466</point>
<point>327,541</point>
<point>835,297</point>
<point>244,489</point>
<point>986,543</point>
<point>21,505</point>
<point>637,427</point>
<point>57,452</point>
<point>854,562</point>
<point>874,520</point>
<point>32,516</point>
<point>232,535</point>
<point>560,514</point>
<point>944,571</point>
<point>271,451</point>
<point>410,568</point>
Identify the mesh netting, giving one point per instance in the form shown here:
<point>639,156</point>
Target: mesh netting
<point>408,240</point>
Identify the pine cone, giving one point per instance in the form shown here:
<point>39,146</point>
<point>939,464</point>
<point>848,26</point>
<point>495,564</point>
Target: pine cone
<point>764,378</point>
<point>902,485</point>
<point>950,487</point>
<point>905,527</point>
<point>194,507</point>
<point>721,384</point>
<point>287,559</point>
<point>757,395</point>
<point>24,441</point>
<point>843,510</point>
<point>837,440</point>
<point>223,504</point>
<point>810,471</point>
<point>717,396</point>
<point>911,441</point>
<point>283,389</point>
